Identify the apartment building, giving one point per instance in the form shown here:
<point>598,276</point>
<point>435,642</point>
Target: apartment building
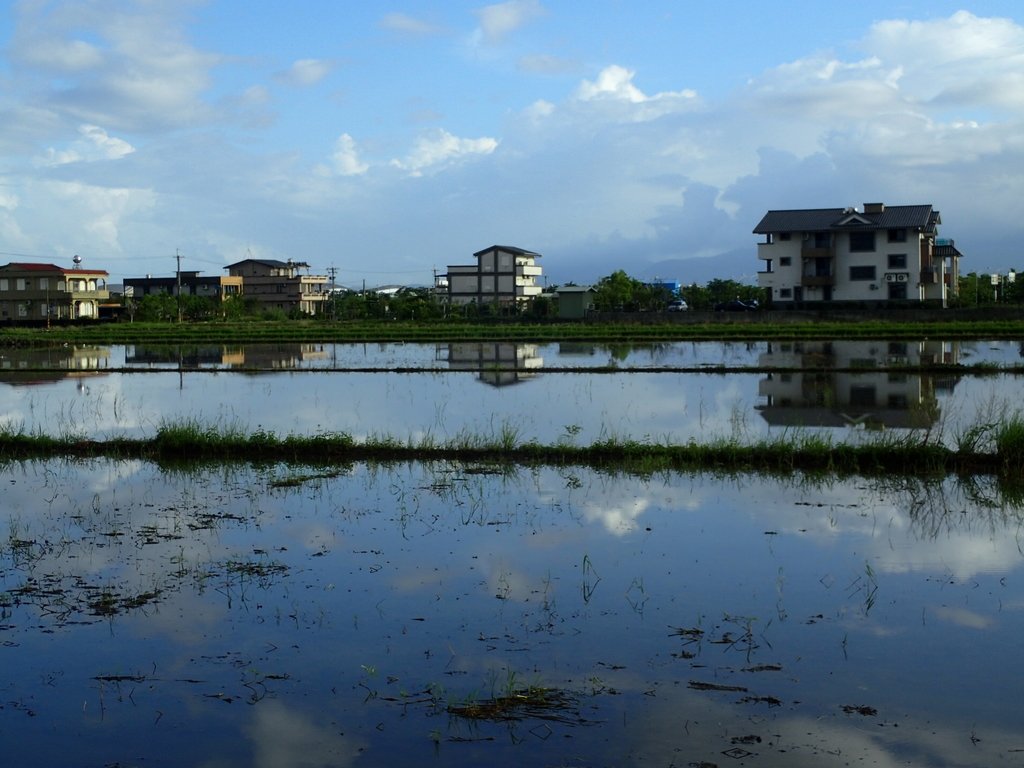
<point>503,275</point>
<point>877,254</point>
<point>282,284</point>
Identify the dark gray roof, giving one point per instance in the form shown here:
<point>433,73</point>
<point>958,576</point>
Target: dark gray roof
<point>264,262</point>
<point>510,249</point>
<point>826,219</point>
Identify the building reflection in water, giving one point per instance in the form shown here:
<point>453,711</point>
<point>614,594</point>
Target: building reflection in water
<point>873,384</point>
<point>497,363</point>
<point>273,357</point>
<point>25,367</point>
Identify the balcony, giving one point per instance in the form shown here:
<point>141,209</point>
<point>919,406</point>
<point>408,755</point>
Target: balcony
<point>816,280</point>
<point>810,252</point>
<point>528,270</point>
<point>929,275</point>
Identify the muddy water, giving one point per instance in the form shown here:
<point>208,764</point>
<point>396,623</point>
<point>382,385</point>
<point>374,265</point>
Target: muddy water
<point>286,616</point>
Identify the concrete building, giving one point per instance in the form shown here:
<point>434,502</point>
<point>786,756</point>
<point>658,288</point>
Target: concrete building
<point>503,275</point>
<point>876,255</point>
<point>281,285</point>
<point>191,283</point>
<point>34,292</point>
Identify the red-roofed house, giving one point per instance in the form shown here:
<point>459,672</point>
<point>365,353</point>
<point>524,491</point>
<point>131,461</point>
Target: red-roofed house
<point>31,292</point>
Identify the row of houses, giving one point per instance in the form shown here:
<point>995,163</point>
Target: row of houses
<point>875,254</point>
<point>35,292</point>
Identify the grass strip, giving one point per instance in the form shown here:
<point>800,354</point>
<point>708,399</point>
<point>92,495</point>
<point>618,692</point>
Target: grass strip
<point>192,442</point>
<point>653,328</point>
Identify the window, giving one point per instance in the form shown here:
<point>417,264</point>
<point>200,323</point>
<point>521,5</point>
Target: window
<point>785,261</point>
<point>785,293</point>
<point>862,273</point>
<point>784,235</point>
<point>897,235</point>
<point>822,239</point>
<point>897,291</point>
<point>21,284</point>
<point>862,395</point>
<point>44,283</point>
<point>862,241</point>
<point>897,261</point>
<point>4,285</point>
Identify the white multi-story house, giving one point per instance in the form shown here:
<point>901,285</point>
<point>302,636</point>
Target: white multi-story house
<point>503,275</point>
<point>879,254</point>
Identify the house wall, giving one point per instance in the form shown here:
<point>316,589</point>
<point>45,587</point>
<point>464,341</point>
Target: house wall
<point>857,275</point>
<point>498,276</point>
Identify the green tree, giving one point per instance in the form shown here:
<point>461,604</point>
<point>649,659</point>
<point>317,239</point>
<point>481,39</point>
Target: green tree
<point>618,292</point>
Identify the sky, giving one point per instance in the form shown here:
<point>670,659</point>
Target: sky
<point>384,141</point>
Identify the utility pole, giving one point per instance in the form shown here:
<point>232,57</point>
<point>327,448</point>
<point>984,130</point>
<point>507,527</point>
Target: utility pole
<point>177,256</point>
<point>333,272</point>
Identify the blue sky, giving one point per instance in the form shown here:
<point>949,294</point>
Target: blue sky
<point>389,140</point>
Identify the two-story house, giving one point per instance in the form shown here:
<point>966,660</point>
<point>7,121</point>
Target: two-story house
<point>280,284</point>
<point>879,254</point>
<point>503,275</point>
<point>186,283</point>
<point>43,292</point>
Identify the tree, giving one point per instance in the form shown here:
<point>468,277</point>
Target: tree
<point>618,292</point>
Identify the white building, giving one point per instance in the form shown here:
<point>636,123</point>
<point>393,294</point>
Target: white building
<point>503,275</point>
<point>878,254</point>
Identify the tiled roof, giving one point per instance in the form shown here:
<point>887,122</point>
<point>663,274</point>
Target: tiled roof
<point>510,249</point>
<point>31,266</point>
<point>265,262</point>
<point>826,219</point>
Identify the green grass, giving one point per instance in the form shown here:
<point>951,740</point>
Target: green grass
<point>190,441</point>
<point>652,327</point>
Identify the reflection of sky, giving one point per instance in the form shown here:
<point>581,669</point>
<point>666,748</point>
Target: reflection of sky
<point>445,405</point>
<point>394,581</point>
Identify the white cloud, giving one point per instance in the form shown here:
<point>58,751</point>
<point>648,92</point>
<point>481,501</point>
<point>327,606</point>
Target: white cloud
<point>441,149</point>
<point>345,159</point>
<point>136,73</point>
<point>62,55</point>
<point>614,86</point>
<point>408,25</point>
<point>499,20</point>
<point>546,64</point>
<point>94,144</point>
<point>305,72</point>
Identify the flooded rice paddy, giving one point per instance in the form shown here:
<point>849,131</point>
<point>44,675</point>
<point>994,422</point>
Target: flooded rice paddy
<point>455,614</point>
<point>549,393</point>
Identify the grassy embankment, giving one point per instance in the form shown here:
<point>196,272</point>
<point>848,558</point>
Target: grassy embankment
<point>996,449</point>
<point>719,327</point>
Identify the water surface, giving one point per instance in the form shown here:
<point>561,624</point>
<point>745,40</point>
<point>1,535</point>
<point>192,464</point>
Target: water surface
<point>293,616</point>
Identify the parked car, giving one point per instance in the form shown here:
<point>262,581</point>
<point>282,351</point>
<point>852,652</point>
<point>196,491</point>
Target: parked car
<point>677,305</point>
<point>737,305</point>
